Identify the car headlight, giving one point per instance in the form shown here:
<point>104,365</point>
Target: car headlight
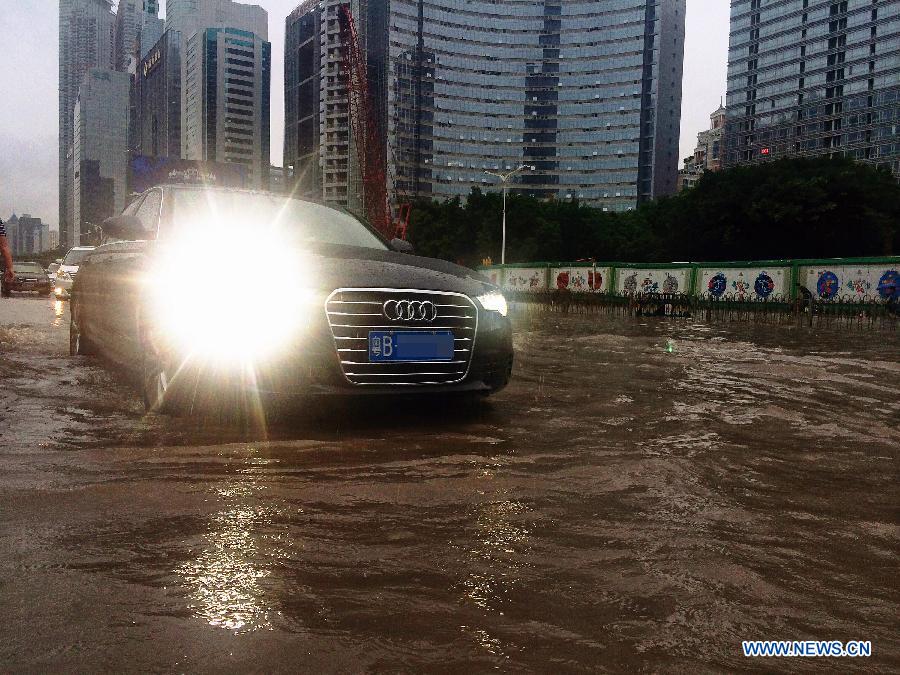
<point>494,302</point>
<point>239,321</point>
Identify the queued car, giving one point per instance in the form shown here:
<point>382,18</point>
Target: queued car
<point>360,315</point>
<point>52,269</point>
<point>29,277</point>
<point>68,269</point>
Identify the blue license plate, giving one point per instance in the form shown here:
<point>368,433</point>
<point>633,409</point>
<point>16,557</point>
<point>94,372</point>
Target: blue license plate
<point>410,346</point>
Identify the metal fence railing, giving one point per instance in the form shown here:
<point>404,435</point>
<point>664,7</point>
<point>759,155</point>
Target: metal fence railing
<point>866,312</point>
<point>846,291</point>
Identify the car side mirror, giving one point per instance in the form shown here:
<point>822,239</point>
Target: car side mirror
<point>402,246</point>
<point>123,227</point>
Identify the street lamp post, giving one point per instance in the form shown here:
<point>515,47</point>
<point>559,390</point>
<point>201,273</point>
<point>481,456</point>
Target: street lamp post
<point>505,180</point>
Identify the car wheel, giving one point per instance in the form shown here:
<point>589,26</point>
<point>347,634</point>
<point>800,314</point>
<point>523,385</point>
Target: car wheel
<point>158,389</point>
<point>156,378</point>
<point>79,344</point>
<point>155,384</point>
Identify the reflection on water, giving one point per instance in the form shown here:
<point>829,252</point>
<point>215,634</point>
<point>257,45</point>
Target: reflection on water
<point>58,310</point>
<point>483,639</point>
<point>621,507</point>
<point>497,553</point>
<point>494,558</point>
<point>225,578</point>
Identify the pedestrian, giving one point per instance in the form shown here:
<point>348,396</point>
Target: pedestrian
<point>6,255</point>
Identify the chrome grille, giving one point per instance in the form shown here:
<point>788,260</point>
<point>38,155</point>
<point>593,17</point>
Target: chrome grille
<point>353,312</point>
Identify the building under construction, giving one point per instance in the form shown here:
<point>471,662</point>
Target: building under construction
<point>587,94</point>
<point>317,139</point>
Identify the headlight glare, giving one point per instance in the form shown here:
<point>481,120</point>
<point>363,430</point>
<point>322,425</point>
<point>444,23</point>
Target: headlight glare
<point>240,320</point>
<point>494,302</point>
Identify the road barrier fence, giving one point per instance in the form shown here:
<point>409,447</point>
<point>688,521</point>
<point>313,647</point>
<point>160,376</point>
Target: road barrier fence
<point>861,291</point>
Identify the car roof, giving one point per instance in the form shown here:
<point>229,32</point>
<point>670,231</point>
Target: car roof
<point>167,187</point>
<point>217,188</point>
<point>248,191</point>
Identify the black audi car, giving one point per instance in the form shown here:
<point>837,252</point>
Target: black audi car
<point>204,290</point>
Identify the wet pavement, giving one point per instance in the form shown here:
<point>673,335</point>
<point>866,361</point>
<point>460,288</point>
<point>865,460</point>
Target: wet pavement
<point>645,495</point>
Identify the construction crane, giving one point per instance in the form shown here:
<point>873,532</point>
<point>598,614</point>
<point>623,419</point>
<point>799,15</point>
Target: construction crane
<point>370,149</point>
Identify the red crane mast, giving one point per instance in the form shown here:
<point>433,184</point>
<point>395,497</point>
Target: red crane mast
<point>364,126</point>
<point>370,146</point>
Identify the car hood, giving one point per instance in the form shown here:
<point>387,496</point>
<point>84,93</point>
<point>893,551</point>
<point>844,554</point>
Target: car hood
<point>333,267</point>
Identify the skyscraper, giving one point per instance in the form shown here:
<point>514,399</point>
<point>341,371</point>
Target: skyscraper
<point>137,25</point>
<point>85,41</point>
<point>814,78</point>
<point>189,16</point>
<point>318,142</point>
<point>226,64</point>
<point>152,29</point>
<point>707,153</point>
<point>100,150</point>
<point>12,232</point>
<point>302,82</point>
<point>156,130</point>
<point>30,236</point>
<point>587,93</point>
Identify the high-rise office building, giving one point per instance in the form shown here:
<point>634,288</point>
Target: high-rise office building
<point>138,27</point>
<point>156,130</point>
<point>12,232</point>
<point>30,235</point>
<point>152,30</point>
<point>226,68</point>
<point>814,78</point>
<point>302,83</point>
<point>587,93</point>
<point>100,150</point>
<point>86,30</point>
<point>227,100</point>
<point>189,16</point>
<point>708,152</point>
<point>318,141</point>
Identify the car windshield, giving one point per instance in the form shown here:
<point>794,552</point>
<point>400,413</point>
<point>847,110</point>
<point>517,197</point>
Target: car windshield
<point>75,256</point>
<point>28,268</point>
<point>296,222</point>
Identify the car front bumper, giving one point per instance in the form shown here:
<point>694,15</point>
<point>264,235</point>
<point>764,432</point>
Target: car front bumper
<point>312,368</point>
<point>28,287</point>
<point>63,288</point>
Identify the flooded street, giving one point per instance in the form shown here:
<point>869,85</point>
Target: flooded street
<point>645,495</point>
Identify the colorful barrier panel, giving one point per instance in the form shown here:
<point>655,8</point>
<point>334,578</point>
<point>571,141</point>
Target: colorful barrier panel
<point>834,281</point>
<point>839,279</point>
<point>638,281</point>
<point>580,279</point>
<point>524,278</point>
<point>744,283</point>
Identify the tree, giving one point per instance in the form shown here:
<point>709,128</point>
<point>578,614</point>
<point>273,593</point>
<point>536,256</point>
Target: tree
<point>791,208</point>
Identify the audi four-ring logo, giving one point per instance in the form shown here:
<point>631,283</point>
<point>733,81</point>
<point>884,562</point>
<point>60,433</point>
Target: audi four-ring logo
<point>410,310</point>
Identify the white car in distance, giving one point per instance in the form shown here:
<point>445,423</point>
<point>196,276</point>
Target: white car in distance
<point>68,268</point>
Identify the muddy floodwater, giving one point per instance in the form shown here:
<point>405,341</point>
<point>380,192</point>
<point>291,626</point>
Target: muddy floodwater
<point>644,496</point>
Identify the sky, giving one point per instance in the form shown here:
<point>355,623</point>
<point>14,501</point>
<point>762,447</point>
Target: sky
<point>29,75</point>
